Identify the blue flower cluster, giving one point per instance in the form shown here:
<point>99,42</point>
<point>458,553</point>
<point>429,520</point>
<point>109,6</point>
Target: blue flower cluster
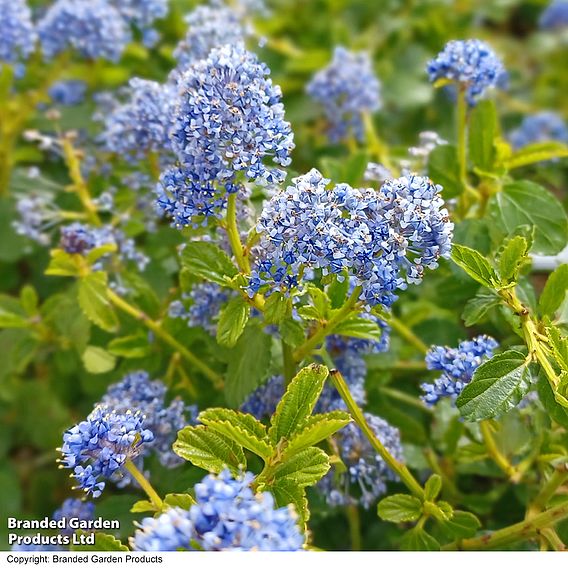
<point>555,15</point>
<point>17,32</point>
<point>457,366</point>
<point>141,13</point>
<point>541,127</point>
<point>228,515</point>
<point>384,239</point>
<point>137,391</point>
<point>38,214</point>
<point>206,299</point>
<point>346,88</point>
<point>97,448</point>
<point>209,27</point>
<point>366,470</point>
<point>262,402</point>
<point>171,531</point>
<point>94,28</point>
<point>78,238</point>
<point>74,509</point>
<point>140,125</point>
<point>68,93</point>
<point>472,64</point>
<point>228,119</point>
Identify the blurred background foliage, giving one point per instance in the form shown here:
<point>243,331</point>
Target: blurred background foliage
<point>44,385</point>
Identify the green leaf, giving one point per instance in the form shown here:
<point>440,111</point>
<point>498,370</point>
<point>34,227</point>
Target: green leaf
<point>130,346</point>
<point>554,292</point>
<point>443,168</point>
<point>475,264</point>
<point>483,129</point>
<point>498,385</point>
<point>287,492</point>
<point>209,450</point>
<point>249,364</point>
<point>103,543</point>
<point>206,260</point>
<point>12,320</point>
<point>433,487</point>
<point>400,508</point>
<point>29,300</point>
<point>512,256</point>
<point>461,525</point>
<point>243,429</point>
<point>97,360</point>
<point>181,500</point>
<point>354,168</point>
<point>360,328</point>
<point>97,253</point>
<point>304,468</point>
<point>232,321</point>
<point>142,506</point>
<point>441,511</point>
<point>559,344</point>
<point>292,332</point>
<point>298,402</point>
<point>277,308</point>
<point>337,290</point>
<point>526,203</point>
<point>317,428</point>
<point>537,152</point>
<point>64,264</point>
<point>321,302</point>
<point>417,539</point>
<point>477,307</point>
<point>94,301</point>
<point>546,396</point>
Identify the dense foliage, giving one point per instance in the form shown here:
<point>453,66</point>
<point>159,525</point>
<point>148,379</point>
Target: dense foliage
<point>285,275</point>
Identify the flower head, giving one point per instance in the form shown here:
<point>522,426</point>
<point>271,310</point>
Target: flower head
<point>367,473</point>
<point>384,239</point>
<point>555,15</point>
<point>17,32</point>
<point>170,531</point>
<point>136,391</point>
<point>141,13</point>
<point>209,27</point>
<point>228,515</point>
<point>228,120</point>
<point>94,28</point>
<point>457,366</point>
<point>141,124</point>
<point>206,299</point>
<point>37,214</point>
<point>540,127</point>
<point>347,88</point>
<point>97,448</point>
<point>68,93</point>
<point>472,64</point>
<point>78,238</point>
